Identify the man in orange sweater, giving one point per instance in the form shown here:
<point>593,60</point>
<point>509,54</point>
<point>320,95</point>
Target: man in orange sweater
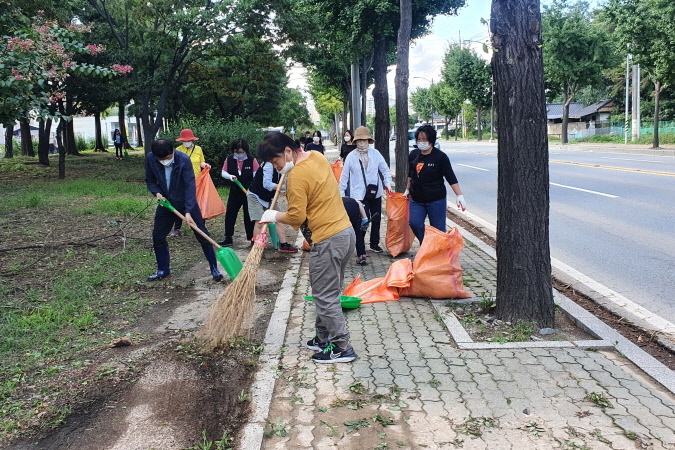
<point>313,197</point>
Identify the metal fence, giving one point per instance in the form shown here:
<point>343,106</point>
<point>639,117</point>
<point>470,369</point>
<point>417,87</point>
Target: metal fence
<point>616,129</point>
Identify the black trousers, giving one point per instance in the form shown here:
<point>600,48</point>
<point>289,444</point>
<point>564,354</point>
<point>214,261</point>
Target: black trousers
<point>235,201</point>
<point>374,212</point>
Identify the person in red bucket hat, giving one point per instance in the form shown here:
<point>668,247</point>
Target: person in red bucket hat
<point>196,156</point>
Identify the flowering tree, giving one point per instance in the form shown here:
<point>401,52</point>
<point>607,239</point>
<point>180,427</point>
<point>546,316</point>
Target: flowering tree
<point>35,61</point>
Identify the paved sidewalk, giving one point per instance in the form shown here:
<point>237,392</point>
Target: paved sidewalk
<point>413,387</point>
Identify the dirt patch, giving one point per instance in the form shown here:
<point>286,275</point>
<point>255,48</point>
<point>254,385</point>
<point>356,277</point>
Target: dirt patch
<point>482,326</point>
<point>647,341</point>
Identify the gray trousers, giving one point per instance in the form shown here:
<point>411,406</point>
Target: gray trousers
<point>327,263</point>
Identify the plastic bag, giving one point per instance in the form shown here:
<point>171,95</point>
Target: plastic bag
<point>337,169</point>
<point>207,196</point>
<point>398,276</point>
<point>399,237</point>
<point>436,269</point>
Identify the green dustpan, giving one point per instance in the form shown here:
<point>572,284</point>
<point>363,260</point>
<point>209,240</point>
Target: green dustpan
<point>274,237</point>
<point>226,256</point>
<point>345,301</point>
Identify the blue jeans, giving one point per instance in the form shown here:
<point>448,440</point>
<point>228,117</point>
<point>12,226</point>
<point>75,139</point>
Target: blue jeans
<point>419,211</point>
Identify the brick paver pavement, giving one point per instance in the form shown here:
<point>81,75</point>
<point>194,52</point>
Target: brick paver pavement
<point>411,387</point>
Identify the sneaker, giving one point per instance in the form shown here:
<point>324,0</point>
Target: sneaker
<point>227,242</point>
<point>361,260</point>
<point>376,248</point>
<point>285,247</point>
<point>332,354</point>
<point>317,344</point>
<point>175,233</point>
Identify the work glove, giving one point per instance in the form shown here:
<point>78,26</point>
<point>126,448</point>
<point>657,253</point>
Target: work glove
<point>227,176</point>
<point>406,193</point>
<point>203,165</point>
<point>461,203</point>
<point>269,216</point>
<point>364,224</point>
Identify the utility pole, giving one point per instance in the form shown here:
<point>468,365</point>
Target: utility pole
<point>356,97</point>
<point>636,102</point>
<point>625,131</point>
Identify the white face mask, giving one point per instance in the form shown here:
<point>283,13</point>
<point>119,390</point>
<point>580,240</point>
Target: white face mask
<point>348,138</point>
<point>362,144</point>
<point>188,144</point>
<point>316,139</point>
<point>423,146</point>
<point>287,167</point>
<point>166,162</point>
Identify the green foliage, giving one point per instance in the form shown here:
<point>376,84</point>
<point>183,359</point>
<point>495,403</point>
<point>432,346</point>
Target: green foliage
<point>576,49</point>
<point>82,144</point>
<point>216,135</point>
<point>446,100</point>
<point>469,75</point>
<point>226,442</point>
<point>422,103</point>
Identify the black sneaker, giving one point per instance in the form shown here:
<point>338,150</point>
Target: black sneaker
<point>334,354</point>
<point>285,247</point>
<point>317,344</point>
<point>376,248</point>
<point>227,242</point>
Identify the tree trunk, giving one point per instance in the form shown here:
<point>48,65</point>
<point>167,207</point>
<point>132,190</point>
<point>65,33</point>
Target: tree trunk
<point>26,138</point>
<point>457,127</point>
<point>43,141</point>
<point>657,102</point>
<point>446,132</point>
<point>479,125</point>
<point>345,112</point>
<point>139,132</point>
<point>381,98</point>
<point>567,99</point>
<point>401,85</point>
<point>121,118</point>
<point>365,67</point>
<point>99,134</point>
<point>524,290</point>
<point>60,132</point>
<point>9,141</point>
<point>70,135</point>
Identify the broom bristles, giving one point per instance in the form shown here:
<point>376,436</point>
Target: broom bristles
<point>234,304</point>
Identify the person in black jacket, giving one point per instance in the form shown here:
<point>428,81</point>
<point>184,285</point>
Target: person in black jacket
<point>348,144</point>
<point>316,143</point>
<point>169,176</point>
<point>428,167</point>
<point>241,166</point>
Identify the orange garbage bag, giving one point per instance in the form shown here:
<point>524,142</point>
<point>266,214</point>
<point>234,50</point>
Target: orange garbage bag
<point>399,237</point>
<point>337,169</point>
<point>208,199</point>
<point>398,276</point>
<point>436,269</point>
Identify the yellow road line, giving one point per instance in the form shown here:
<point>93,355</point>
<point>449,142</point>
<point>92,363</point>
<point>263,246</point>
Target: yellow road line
<point>594,166</point>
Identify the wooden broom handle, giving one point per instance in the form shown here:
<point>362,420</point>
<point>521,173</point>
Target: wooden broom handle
<point>371,288</point>
<point>196,228</point>
<point>274,200</point>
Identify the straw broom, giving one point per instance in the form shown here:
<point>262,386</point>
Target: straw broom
<point>235,303</point>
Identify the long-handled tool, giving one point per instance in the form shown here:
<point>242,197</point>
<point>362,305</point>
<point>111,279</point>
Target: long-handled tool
<point>272,227</point>
<point>353,302</point>
<point>234,304</point>
<point>227,257</point>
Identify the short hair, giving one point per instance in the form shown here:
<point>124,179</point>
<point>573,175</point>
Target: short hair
<point>162,148</point>
<point>273,144</point>
<point>429,131</point>
<point>239,143</point>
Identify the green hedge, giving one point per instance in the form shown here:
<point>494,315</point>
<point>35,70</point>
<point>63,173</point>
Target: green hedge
<point>216,135</point>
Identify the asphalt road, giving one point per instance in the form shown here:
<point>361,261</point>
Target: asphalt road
<point>612,215</point>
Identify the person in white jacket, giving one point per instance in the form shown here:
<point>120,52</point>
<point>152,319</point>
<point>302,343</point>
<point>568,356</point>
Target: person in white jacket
<point>368,176</point>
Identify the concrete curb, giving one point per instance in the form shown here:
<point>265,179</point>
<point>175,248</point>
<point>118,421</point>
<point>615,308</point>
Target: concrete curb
<point>262,388</point>
<point>608,337</point>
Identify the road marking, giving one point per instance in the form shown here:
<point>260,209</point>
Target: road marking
<point>621,169</point>
<point>631,159</point>
<point>474,167</point>
<point>585,190</point>
<point>655,320</point>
